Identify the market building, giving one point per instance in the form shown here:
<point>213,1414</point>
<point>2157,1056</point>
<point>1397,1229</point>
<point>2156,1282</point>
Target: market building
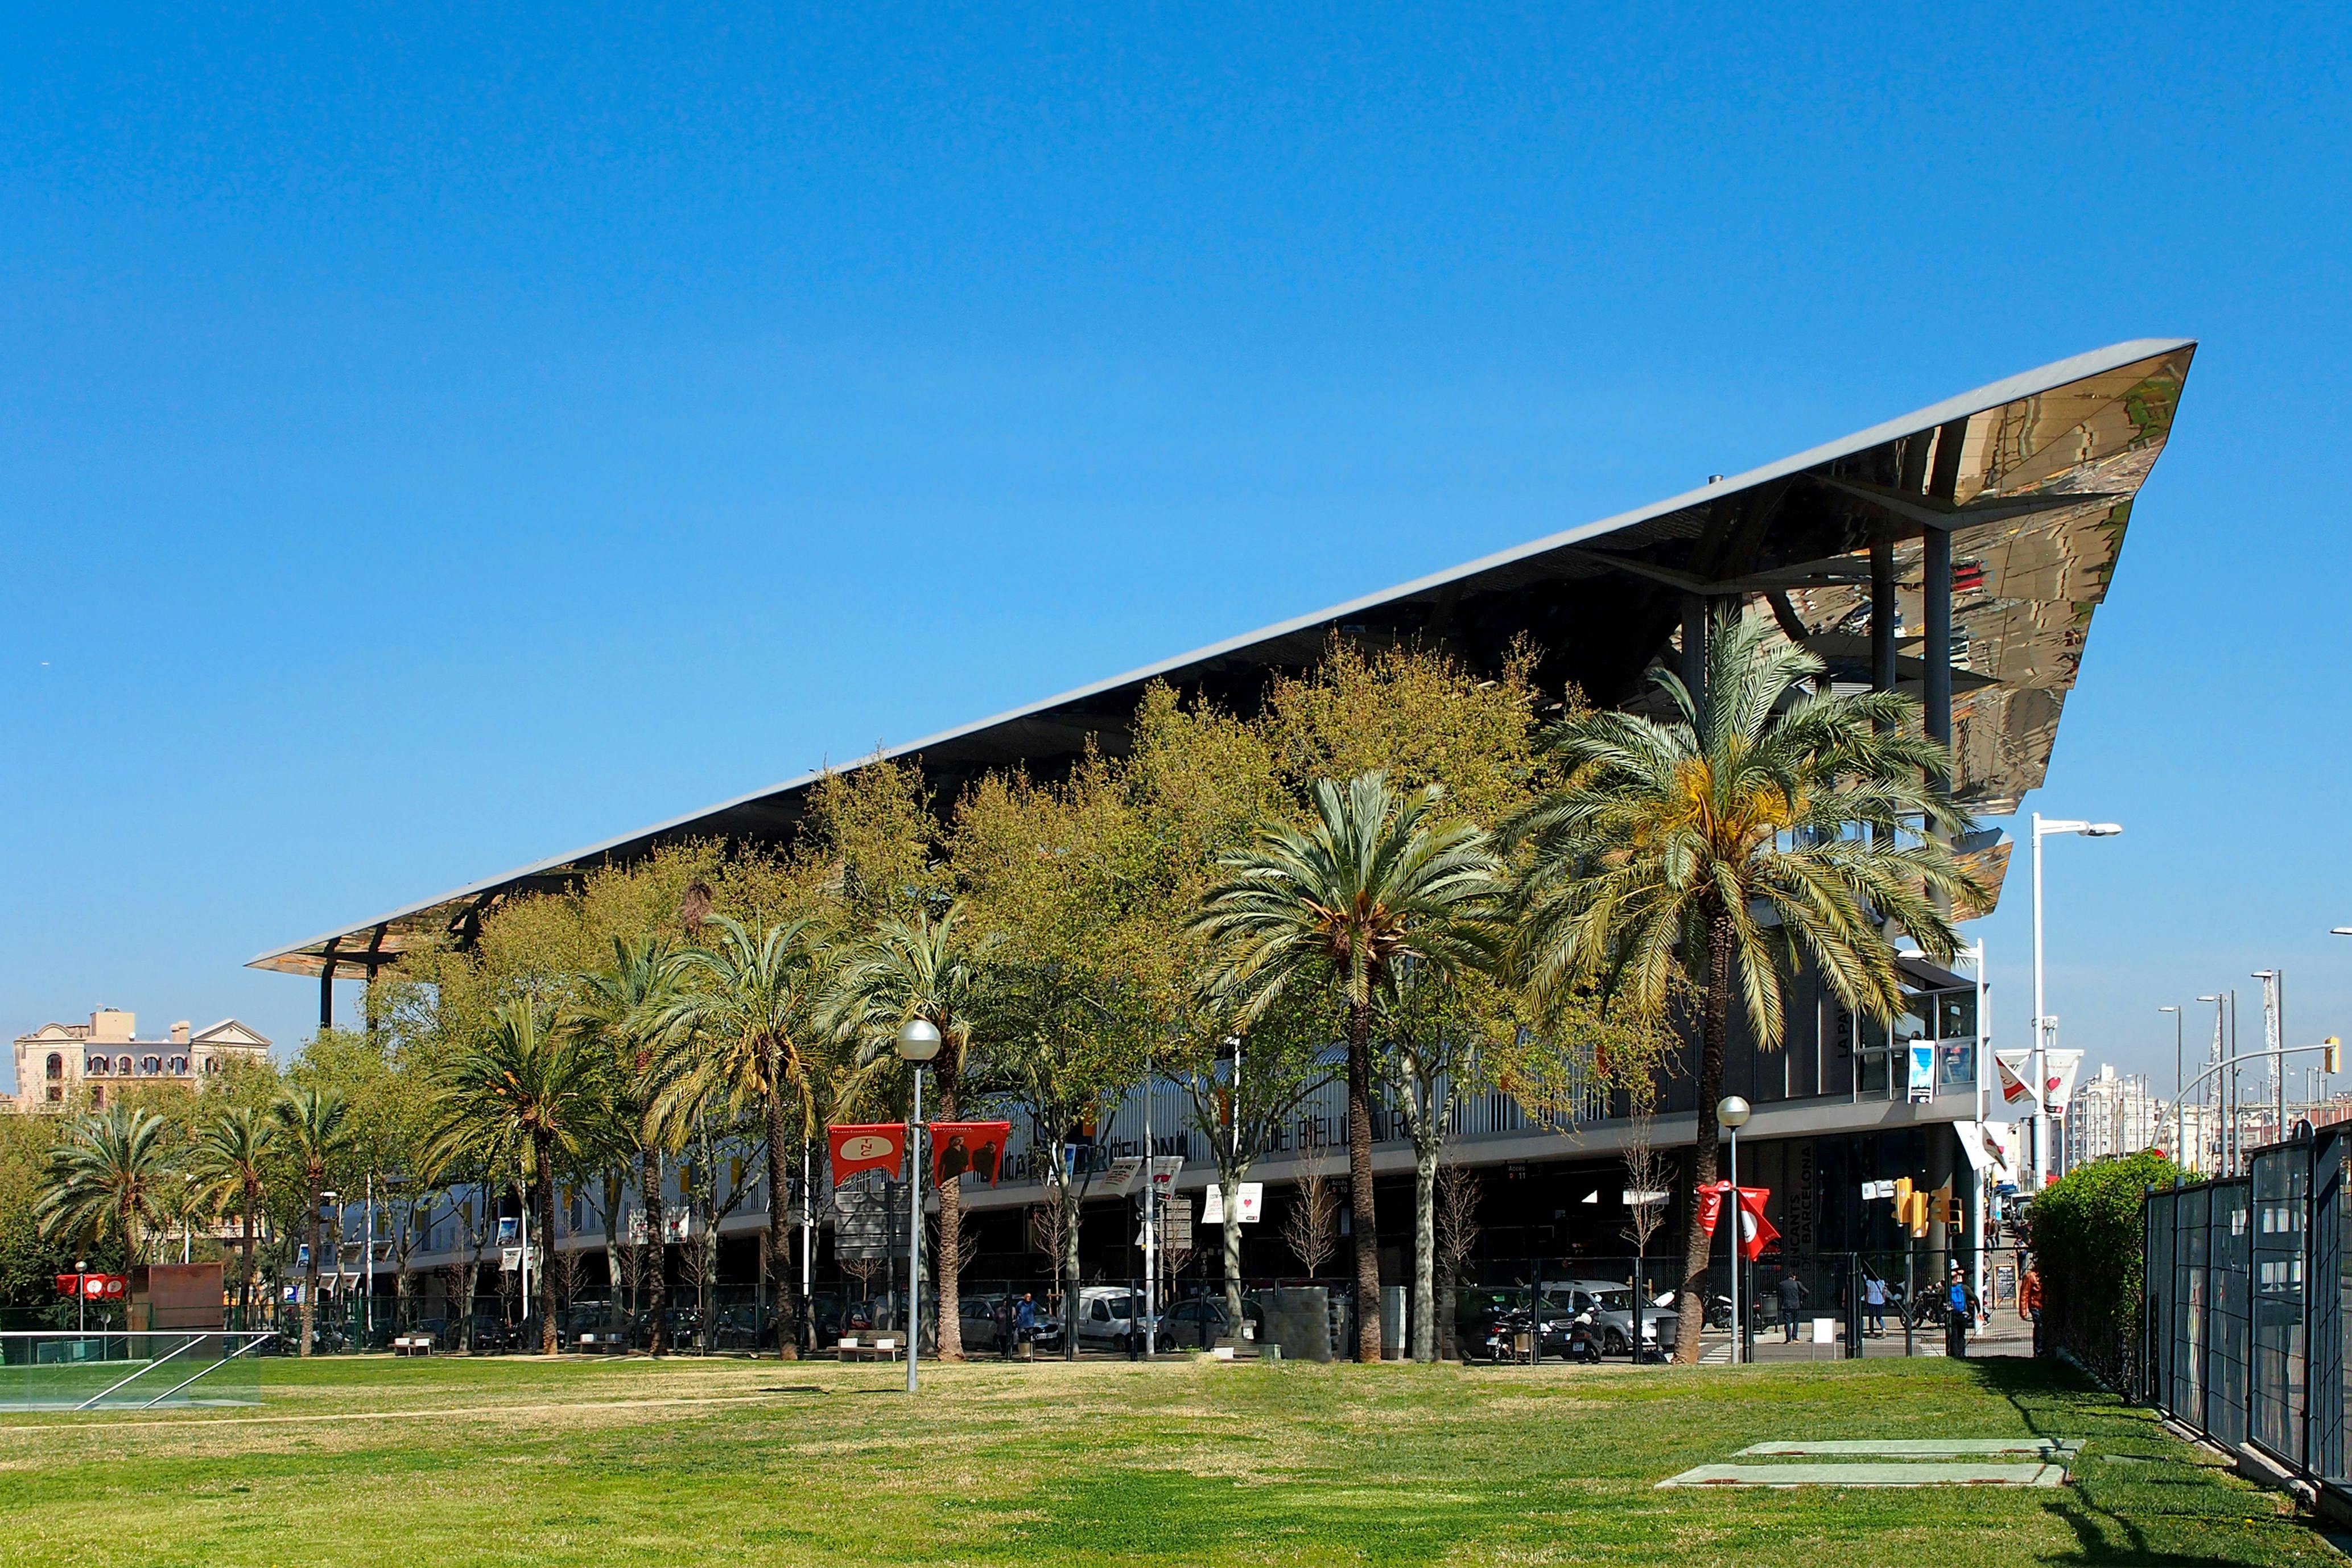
<point>1959,553</point>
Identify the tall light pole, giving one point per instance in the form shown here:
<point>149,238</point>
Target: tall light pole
<point>1731,1112</point>
<point>919,1042</point>
<point>2179,1078</point>
<point>2274,1042</point>
<point>2042,830</point>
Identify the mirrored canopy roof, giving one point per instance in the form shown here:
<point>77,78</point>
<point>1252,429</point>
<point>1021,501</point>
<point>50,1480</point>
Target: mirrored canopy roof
<point>2034,477</point>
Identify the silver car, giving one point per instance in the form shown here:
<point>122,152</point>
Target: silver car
<point>1612,1307</point>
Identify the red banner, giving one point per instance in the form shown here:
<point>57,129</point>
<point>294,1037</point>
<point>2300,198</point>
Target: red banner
<point>975,1146</point>
<point>1757,1233</point>
<point>95,1286</point>
<point>874,1146</point>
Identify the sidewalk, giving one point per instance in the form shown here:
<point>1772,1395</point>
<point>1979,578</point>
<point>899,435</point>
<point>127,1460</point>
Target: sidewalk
<point>2010,1335</point>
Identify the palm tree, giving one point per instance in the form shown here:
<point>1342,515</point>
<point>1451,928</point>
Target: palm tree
<point>742,1031</point>
<point>908,969</point>
<point>1340,902</point>
<point>107,1178</point>
<point>529,1096</point>
<point>230,1163</point>
<point>619,1015</point>
<point>316,1123</point>
<point>1665,841</point>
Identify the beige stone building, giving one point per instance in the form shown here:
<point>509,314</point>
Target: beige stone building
<point>61,1065</point>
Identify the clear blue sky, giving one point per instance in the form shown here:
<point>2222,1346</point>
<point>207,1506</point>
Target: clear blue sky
<point>432,438</point>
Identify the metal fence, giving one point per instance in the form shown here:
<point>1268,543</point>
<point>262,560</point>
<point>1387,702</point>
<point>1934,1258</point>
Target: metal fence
<point>2246,1303</point>
<point>98,1370</point>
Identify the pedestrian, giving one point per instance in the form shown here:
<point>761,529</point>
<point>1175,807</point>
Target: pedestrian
<point>1024,1324</point>
<point>1960,1312</point>
<point>1003,1316</point>
<point>1873,1302</point>
<point>1793,1302</point>
<point>2029,1302</point>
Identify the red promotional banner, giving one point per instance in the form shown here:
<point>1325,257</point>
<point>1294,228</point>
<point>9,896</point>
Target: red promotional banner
<point>975,1146</point>
<point>1755,1232</point>
<point>874,1146</point>
<point>95,1286</point>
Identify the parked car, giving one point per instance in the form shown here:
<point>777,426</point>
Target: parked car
<point>1611,1305</point>
<point>1109,1316</point>
<point>1203,1321</point>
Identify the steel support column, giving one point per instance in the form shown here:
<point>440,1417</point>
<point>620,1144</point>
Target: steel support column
<point>1882,612</point>
<point>1694,608</point>
<point>1936,657</point>
<point>327,984</point>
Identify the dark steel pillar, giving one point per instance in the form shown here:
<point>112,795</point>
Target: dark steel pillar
<point>1881,614</point>
<point>1937,656</point>
<point>1694,651</point>
<point>327,989</point>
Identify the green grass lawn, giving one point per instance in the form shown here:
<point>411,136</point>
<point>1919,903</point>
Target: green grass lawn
<point>418,1464</point>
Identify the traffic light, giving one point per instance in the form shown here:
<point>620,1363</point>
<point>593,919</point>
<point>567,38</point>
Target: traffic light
<point>1948,1207</point>
<point>2332,1059</point>
<point>1910,1206</point>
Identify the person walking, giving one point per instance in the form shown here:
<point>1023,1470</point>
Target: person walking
<point>1003,1315</point>
<point>1793,1302</point>
<point>1959,1313</point>
<point>1024,1324</point>
<point>1874,1303</point>
<point>2029,1302</point>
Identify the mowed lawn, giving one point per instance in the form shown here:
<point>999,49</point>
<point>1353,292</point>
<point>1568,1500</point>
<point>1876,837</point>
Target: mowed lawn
<point>418,1464</point>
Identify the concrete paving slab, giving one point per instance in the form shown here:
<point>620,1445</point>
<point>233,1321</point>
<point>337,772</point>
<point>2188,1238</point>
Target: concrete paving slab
<point>1916,1448</point>
<point>1913,1474</point>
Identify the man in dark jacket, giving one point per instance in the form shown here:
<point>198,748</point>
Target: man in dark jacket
<point>1793,1302</point>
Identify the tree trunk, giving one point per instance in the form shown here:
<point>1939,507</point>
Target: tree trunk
<point>245,1286</point>
<point>1069,1202</point>
<point>1233,1175</point>
<point>779,1223</point>
<point>1697,1247</point>
<point>652,1284</point>
<point>543,1190</point>
<point>612,1188</point>
<point>950,1254</point>
<point>1424,1250</point>
<point>1359,1181</point>
<point>310,1274</point>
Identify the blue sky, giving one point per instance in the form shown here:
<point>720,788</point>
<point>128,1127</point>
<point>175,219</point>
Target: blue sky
<point>433,438</point>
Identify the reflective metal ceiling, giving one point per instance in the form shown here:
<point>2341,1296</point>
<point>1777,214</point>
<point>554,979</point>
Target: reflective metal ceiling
<point>2034,476</point>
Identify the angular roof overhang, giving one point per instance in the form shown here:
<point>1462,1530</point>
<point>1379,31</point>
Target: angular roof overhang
<point>2032,477</point>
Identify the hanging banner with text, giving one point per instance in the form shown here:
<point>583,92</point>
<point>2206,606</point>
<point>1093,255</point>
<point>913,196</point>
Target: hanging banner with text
<point>975,1146</point>
<point>877,1146</point>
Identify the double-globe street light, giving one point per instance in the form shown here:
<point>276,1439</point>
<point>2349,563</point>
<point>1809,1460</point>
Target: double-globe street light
<point>1732,1113</point>
<point>2045,829</point>
<point>919,1043</point>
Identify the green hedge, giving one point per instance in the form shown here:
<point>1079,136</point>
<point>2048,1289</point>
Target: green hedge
<point>2088,1238</point>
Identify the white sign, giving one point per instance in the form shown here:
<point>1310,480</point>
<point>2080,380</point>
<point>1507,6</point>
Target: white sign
<point>1253,1201</point>
<point>1877,1189</point>
<point>510,1259</point>
<point>677,1225</point>
<point>1641,1198</point>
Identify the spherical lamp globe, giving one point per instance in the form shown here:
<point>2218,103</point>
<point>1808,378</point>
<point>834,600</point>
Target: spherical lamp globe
<point>918,1040</point>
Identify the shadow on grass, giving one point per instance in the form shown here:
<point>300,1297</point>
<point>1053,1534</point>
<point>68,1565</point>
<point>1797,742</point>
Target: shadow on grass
<point>2123,1517</point>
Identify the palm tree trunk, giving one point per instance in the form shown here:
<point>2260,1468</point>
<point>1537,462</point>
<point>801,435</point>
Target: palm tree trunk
<point>245,1284</point>
<point>950,1254</point>
<point>310,1274</point>
<point>1697,1246</point>
<point>1359,1181</point>
<point>650,1280</point>
<point>543,1191</point>
<point>779,1229</point>
<point>612,1234</point>
<point>1424,1249</point>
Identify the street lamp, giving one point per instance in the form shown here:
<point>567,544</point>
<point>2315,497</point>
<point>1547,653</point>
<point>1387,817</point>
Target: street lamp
<point>2042,830</point>
<point>2176,1081</point>
<point>919,1042</point>
<point>1732,1113</point>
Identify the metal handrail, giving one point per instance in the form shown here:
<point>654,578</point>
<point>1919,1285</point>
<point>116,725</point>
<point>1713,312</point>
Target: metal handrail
<point>255,1344</point>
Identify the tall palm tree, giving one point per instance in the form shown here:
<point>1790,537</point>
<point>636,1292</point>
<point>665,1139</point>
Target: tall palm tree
<point>526,1095</point>
<point>742,1032</point>
<point>619,1015</point>
<point>908,969</point>
<point>107,1179</point>
<point>1341,904</point>
<point>316,1124</point>
<point>1666,839</point>
<point>230,1161</point>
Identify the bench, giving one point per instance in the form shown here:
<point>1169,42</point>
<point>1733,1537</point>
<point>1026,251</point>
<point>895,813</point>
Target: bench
<point>884,1347</point>
<point>412,1344</point>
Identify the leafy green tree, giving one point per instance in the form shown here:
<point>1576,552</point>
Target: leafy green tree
<point>314,1126</point>
<point>108,1180</point>
<point>619,1016</point>
<point>741,1034</point>
<point>1336,905</point>
<point>527,1097</point>
<point>1655,854</point>
<point>911,967</point>
<point>231,1159</point>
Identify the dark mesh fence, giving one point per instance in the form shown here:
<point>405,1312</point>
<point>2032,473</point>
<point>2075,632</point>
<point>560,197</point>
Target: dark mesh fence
<point>2246,1304</point>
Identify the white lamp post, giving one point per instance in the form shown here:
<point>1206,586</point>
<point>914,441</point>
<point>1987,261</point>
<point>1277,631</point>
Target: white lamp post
<point>919,1042</point>
<point>2177,1071</point>
<point>1732,1113</point>
<point>2041,1020</point>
